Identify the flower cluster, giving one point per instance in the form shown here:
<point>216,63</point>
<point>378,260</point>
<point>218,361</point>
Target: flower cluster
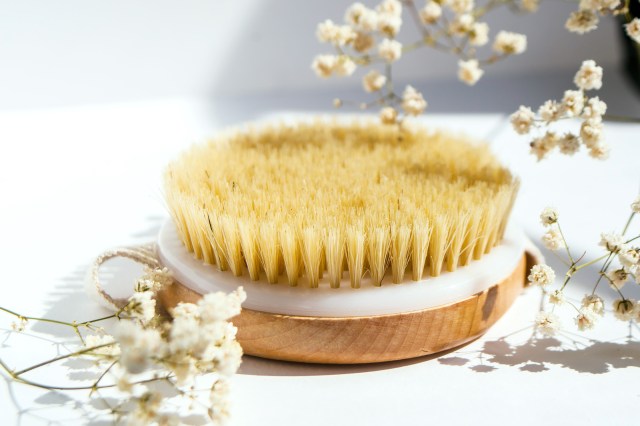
<point>575,104</point>
<point>617,247</point>
<point>368,37</point>
<point>587,17</point>
<point>147,348</point>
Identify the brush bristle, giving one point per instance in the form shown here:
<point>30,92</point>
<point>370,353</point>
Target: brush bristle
<point>318,198</point>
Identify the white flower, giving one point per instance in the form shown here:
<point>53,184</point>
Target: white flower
<point>412,101</point>
<point>390,7</point>
<point>594,110</point>
<point>541,275</point>
<point>594,303</point>
<point>186,310</point>
<point>220,306</point>
<point>557,297</point>
<point>509,43</point>
<point>460,6</point>
<point>618,278</point>
<point>589,76</point>
<point>469,72</point>
<point>219,400</point>
<point>550,111</point>
<point>94,340</point>
<point>540,147</point>
<point>591,133</point>
<point>549,216</point>
<point>582,21</point>
<point>530,5</point>
<point>388,115</point>
<point>611,241</point>
<point>138,346</point>
<point>573,102</point>
<point>607,4</point>
<point>522,120</point>
<point>599,151</point>
<point>623,309</point>
<point>363,42</point>
<point>390,50</point>
<point>635,206</point>
<point>154,279</point>
<point>344,66</point>
<point>373,81</point>
<point>142,306</point>
<point>388,24</point>
<point>552,239</point>
<point>633,29</point>
<point>569,144</point>
<point>338,35</point>
<point>547,323</point>
<point>430,13</point>
<point>586,319</point>
<point>479,34</point>
<point>324,65</point>
<point>361,18</point>
<point>629,257</point>
<point>19,326</point>
<point>461,24</point>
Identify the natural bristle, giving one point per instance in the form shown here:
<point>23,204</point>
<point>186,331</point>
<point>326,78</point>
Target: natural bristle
<point>312,201</point>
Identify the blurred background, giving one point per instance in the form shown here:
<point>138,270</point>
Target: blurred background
<point>78,52</point>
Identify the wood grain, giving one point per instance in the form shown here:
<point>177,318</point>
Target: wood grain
<point>355,340</point>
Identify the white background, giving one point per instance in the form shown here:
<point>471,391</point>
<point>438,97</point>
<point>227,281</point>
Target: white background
<point>96,98</point>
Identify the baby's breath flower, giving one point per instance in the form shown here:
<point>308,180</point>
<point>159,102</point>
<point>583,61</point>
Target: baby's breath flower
<point>549,216</point>
<point>629,257</point>
<point>573,102</point>
<point>373,81</point>
<point>388,115</point>
<point>390,50</point>
<point>589,76</point>
<point>479,34</point>
<point>522,120</point>
<point>19,326</point>
<point>635,206</point>
<point>547,323</point>
<point>582,21</point>
<point>594,110</point>
<point>412,101</point>
<point>221,306</point>
<point>363,42</point>
<point>633,29</point>
<point>469,72</point>
<point>137,345</point>
<point>552,239</point>
<point>586,319</point>
<point>618,278</point>
<point>219,400</point>
<point>324,65</point>
<point>461,24</point>
<point>338,35</point>
<point>344,66</point>
<point>361,18</point>
<point>390,7</point>
<point>540,147</point>
<point>550,111</point>
<point>430,13</point>
<point>389,24</point>
<point>611,241</point>
<point>569,144</point>
<point>591,133</point>
<point>594,303</point>
<point>607,4</point>
<point>508,43</point>
<point>142,306</point>
<point>529,5</point>
<point>541,275</point>
<point>556,297</point>
<point>93,340</point>
<point>599,151</point>
<point>623,309</point>
<point>460,6</point>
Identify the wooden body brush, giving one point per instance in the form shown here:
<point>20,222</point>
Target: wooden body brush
<point>354,242</point>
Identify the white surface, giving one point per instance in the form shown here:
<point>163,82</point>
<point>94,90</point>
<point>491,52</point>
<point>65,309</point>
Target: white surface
<point>345,301</point>
<point>76,181</point>
<point>67,52</point>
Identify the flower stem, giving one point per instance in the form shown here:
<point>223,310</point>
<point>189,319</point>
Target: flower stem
<point>59,358</point>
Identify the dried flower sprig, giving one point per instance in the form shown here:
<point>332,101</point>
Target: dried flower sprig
<point>369,38</point>
<point>147,348</point>
<point>587,17</point>
<point>575,104</point>
<point>620,264</point>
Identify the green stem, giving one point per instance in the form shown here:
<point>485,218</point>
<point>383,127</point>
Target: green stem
<point>80,352</point>
<point>566,246</point>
